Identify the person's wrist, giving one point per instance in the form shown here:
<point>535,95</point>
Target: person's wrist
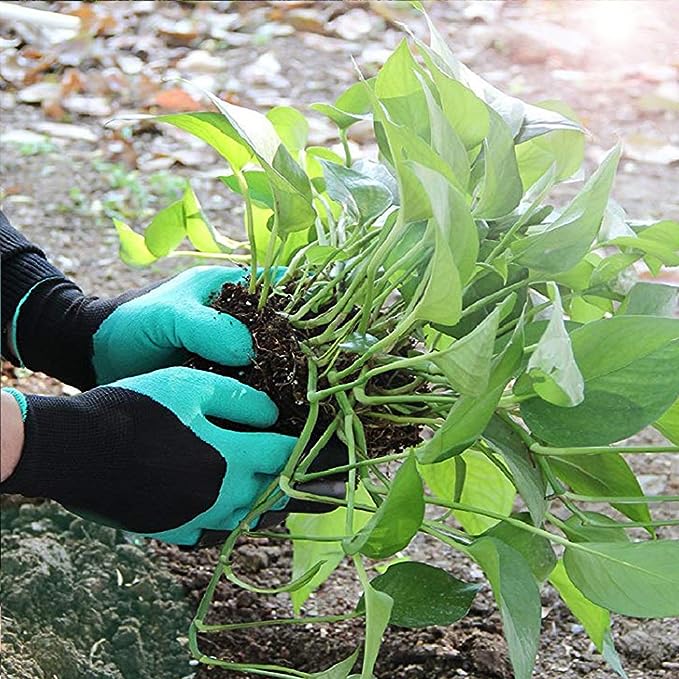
<point>12,427</point>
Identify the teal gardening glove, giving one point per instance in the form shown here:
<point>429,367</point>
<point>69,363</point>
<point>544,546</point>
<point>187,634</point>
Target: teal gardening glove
<point>87,341</point>
<point>143,455</point>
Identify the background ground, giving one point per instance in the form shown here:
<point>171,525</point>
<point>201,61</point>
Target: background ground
<point>81,602</point>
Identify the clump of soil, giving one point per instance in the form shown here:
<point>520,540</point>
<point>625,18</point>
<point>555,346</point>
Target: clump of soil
<point>279,367</point>
<point>280,370</point>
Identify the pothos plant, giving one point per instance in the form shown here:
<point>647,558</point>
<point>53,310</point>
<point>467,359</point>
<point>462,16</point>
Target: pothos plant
<point>477,348</point>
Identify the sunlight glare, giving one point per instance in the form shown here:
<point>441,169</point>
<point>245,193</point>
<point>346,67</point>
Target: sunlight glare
<point>613,21</point>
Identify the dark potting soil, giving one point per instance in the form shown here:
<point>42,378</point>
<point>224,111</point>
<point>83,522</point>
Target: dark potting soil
<point>280,370</point>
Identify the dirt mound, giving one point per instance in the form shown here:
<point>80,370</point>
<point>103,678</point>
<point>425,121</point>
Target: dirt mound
<point>78,601</point>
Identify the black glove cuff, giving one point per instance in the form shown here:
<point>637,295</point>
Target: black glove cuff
<point>54,331</point>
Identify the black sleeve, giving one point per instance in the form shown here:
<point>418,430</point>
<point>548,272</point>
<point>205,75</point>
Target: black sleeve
<point>22,265</point>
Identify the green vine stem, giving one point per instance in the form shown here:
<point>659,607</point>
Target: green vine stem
<point>595,450</point>
<point>310,620</point>
<point>249,228</point>
<point>345,145</point>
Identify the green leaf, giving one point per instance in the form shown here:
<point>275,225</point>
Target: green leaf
<point>289,184</point>
<point>308,552</point>
<point>259,188</point>
<point>578,530</point>
<point>539,120</point>
<point>292,127</point>
<point>378,611</point>
<point>524,120</point>
<point>470,415</point>
<point>453,219</point>
<point>253,129</point>
<point>668,423</point>
<point>659,240</point>
<point>485,487</point>
<point>536,550</point>
<point>132,247</point>
<point>562,148</point>
<point>200,232</point>
<point>651,299</point>
<point>352,106</point>
<point>446,142</point>
<point>595,619</point>
<point>378,172</point>
<point>397,520</point>
<point>629,364</point>
<point>466,363</point>
<point>400,92</point>
<point>340,670</point>
<point>167,230</point>
<point>293,207</point>
<point>423,595</point>
<point>364,198</point>
<point>518,598</point>
<point>552,368</point>
<point>405,145</point>
<point>637,579</point>
<point>214,129</point>
<point>526,474</point>
<point>604,474</point>
<point>561,244</point>
<point>467,114</point>
<point>500,190</point>
<point>510,108</point>
<point>441,298</point>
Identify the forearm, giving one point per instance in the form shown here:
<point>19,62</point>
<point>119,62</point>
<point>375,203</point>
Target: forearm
<point>12,436</point>
<point>23,266</point>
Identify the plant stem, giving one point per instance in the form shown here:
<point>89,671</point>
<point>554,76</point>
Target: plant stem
<point>347,467</point>
<point>293,536</point>
<point>268,262</point>
<point>593,450</point>
<point>562,525</point>
<point>311,620</point>
<point>348,412</point>
<point>493,297</point>
<point>249,228</point>
<point>623,500</point>
<point>362,397</point>
<point>345,146</point>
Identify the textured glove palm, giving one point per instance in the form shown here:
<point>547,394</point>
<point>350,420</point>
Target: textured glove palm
<point>143,454</point>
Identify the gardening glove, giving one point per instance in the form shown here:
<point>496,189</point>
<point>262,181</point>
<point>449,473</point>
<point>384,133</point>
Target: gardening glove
<point>142,454</point>
<point>48,324</point>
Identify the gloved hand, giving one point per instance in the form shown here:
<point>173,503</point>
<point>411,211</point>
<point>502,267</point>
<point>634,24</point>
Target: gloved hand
<point>141,453</point>
<point>86,341</point>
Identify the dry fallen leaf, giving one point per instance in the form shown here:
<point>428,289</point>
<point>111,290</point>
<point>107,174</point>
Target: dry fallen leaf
<point>73,81</point>
<point>176,99</point>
